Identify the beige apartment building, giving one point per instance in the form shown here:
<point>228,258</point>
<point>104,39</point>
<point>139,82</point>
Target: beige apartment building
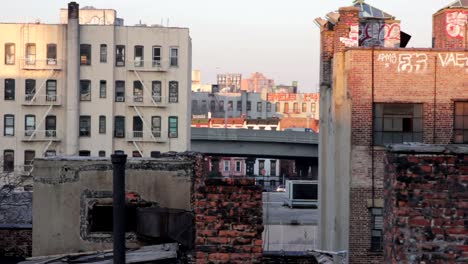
<point>91,86</point>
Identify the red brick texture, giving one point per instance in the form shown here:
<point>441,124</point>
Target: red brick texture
<point>15,242</point>
<point>426,208</point>
<point>228,216</point>
<point>446,36</point>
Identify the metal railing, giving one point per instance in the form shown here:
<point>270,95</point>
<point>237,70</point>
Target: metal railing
<point>146,136</point>
<point>41,135</point>
<point>145,100</point>
<point>34,99</point>
<point>31,63</point>
<point>148,65</point>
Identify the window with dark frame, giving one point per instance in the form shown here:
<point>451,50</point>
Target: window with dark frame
<point>29,89</point>
<point>8,160</point>
<point>8,125</point>
<point>238,166</point>
<point>85,126</point>
<point>29,156</point>
<point>120,91</point>
<point>102,89</point>
<point>10,89</point>
<point>29,125</point>
<point>397,123</point>
<point>137,91</point>
<point>51,54</point>
<point>156,126</point>
<point>102,124</point>
<point>103,53</point>
<point>85,54</point>
<point>226,165</point>
<point>137,127</point>
<point>84,153</point>
<point>173,92</point>
<point>51,90</point>
<point>259,107</point>
<point>173,127</point>
<point>156,91</point>
<point>221,105</point>
<point>377,229</point>
<point>268,107</point>
<point>212,106</point>
<point>272,167</point>
<point>85,90</point>
<point>51,126</point>
<point>239,106</point>
<point>249,105</point>
<point>120,55</point>
<point>10,53</point>
<point>156,56</point>
<point>461,123</point>
<point>101,153</point>
<point>230,107</point>
<point>174,57</point>
<point>139,58</point>
<point>30,53</point>
<point>119,126</point>
<point>136,154</point>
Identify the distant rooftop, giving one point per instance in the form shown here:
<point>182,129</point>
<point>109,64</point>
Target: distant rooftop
<point>458,3</point>
<point>368,11</point>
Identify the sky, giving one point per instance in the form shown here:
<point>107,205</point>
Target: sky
<point>275,37</point>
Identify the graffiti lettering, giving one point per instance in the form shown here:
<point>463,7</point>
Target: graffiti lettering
<point>353,39</point>
<point>453,59</point>
<point>412,63</point>
<point>456,23</point>
<point>381,35</point>
<point>388,58</point>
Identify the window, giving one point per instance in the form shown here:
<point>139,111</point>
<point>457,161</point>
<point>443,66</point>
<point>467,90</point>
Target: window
<point>156,126</point>
<point>229,105</point>
<point>136,154</point>
<point>221,105</point>
<point>261,167</point>
<point>51,54</point>
<point>51,90</point>
<point>30,89</point>
<point>155,154</point>
<point>173,126</point>
<point>226,165</point>
<point>9,89</point>
<point>239,105</point>
<point>277,107</point>
<point>9,53</point>
<point>102,89</point>
<point>139,56</point>
<point>119,126</point>
<point>137,127</point>
<point>286,108</point>
<point>50,153</point>
<point>102,124</point>
<point>212,106</point>
<point>84,153</point>
<point>249,105</point>
<point>295,108</point>
<point>173,92</point>
<point>304,107</point>
<point>29,125</point>
<point>120,91</point>
<point>397,123</point>
<point>120,55</point>
<point>194,106</point>
<point>85,126</point>
<point>30,54</point>
<point>85,54</point>
<point>377,227</point>
<point>51,126</point>
<point>8,160</point>
<point>238,166</point>
<point>312,108</point>
<point>174,57</point>
<point>85,90</point>
<point>204,106</point>
<point>137,91</point>
<point>103,53</point>
<point>259,106</point>
<point>272,167</point>
<point>156,56</point>
<point>101,153</point>
<point>461,122</point>
<point>156,91</point>
<point>268,107</point>
<point>9,125</point>
<point>29,156</point>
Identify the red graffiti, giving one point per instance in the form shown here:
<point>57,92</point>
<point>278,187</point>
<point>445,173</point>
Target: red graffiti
<point>456,23</point>
<point>377,33</point>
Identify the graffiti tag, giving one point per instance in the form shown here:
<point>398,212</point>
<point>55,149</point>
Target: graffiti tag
<point>456,23</point>
<point>453,59</point>
<point>377,34</point>
<point>353,39</point>
<point>412,63</point>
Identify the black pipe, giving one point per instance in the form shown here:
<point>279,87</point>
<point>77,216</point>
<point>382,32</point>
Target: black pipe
<point>372,128</point>
<point>118,202</point>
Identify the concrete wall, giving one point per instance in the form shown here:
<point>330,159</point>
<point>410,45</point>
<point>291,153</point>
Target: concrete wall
<point>63,185</point>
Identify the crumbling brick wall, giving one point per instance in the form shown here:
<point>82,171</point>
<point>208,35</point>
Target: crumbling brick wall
<point>426,205</point>
<point>228,220</point>
<point>16,242</point>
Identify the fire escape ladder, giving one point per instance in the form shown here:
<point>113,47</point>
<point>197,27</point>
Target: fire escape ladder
<point>138,148</point>
<point>36,92</point>
<point>46,147</point>
<point>145,125</point>
<point>146,91</point>
<point>40,122</point>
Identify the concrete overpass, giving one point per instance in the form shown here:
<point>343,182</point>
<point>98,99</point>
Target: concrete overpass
<point>255,143</point>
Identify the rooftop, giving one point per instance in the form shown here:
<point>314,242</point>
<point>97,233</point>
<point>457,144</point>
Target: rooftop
<point>368,11</point>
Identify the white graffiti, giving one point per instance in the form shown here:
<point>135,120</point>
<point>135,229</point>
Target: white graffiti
<point>456,23</point>
<point>353,39</point>
<point>412,63</point>
<point>387,59</point>
<point>453,59</point>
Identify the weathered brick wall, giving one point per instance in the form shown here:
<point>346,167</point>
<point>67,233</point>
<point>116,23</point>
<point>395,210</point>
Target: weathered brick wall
<point>228,216</point>
<point>448,36</point>
<point>15,242</point>
<point>426,207</point>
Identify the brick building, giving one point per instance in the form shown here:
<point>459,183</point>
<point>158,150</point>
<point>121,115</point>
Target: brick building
<point>376,92</point>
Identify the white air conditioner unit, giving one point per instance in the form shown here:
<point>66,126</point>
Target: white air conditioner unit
<point>172,134</point>
<point>302,193</point>
<point>119,133</point>
<point>120,99</point>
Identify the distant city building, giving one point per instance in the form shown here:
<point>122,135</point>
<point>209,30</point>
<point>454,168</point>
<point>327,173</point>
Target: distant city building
<point>281,88</point>
<point>197,85</point>
<point>229,82</point>
<point>257,83</point>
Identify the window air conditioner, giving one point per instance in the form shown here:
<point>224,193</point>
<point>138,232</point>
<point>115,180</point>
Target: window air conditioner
<point>119,99</point>
<point>302,193</point>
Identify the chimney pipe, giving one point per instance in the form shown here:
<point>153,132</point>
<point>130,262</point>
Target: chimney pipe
<point>118,203</point>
